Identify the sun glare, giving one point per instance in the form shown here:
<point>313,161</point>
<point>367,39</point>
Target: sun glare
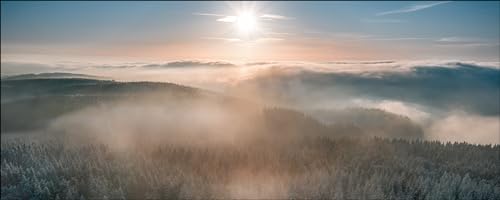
<point>246,23</point>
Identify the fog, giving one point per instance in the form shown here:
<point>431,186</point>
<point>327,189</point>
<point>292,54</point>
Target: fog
<point>464,127</point>
<point>147,123</point>
<point>266,130</point>
<point>430,93</point>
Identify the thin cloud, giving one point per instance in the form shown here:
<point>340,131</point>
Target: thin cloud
<point>352,35</point>
<point>190,63</point>
<point>388,21</point>
<point>209,14</point>
<point>279,33</point>
<point>367,37</point>
<point>260,63</point>
<point>264,39</point>
<point>412,8</point>
<point>313,32</point>
<point>232,18</point>
<point>362,62</point>
<point>273,16</point>
<point>457,39</point>
<point>465,42</point>
<point>397,39</point>
<point>221,38</point>
<point>269,39</point>
<point>478,44</point>
<point>228,19</point>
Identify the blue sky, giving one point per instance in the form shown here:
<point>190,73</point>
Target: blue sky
<point>318,31</point>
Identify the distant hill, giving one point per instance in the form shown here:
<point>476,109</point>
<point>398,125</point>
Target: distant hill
<point>30,88</point>
<point>472,88</point>
<point>51,75</point>
<point>30,104</point>
<point>377,122</point>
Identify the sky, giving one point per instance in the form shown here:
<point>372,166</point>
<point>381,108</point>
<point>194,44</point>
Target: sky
<point>249,31</point>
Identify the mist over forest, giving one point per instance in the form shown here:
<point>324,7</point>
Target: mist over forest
<point>254,100</point>
<point>252,131</point>
<point>439,98</point>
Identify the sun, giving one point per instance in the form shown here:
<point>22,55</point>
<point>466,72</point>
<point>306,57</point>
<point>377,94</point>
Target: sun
<point>246,22</point>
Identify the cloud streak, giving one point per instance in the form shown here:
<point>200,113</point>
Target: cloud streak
<point>190,63</point>
<point>229,19</point>
<point>412,8</point>
<point>397,39</point>
<point>232,18</point>
<point>465,42</point>
<point>456,39</point>
<point>222,38</point>
<point>273,16</point>
<point>209,14</point>
<point>388,21</point>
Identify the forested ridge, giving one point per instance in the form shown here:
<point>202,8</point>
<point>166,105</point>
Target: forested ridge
<point>312,168</point>
<point>96,139</point>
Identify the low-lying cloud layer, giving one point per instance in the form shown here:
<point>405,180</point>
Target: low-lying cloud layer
<point>428,92</point>
<point>20,67</point>
<point>190,63</point>
<point>466,127</point>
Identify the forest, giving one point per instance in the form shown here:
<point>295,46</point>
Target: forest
<point>305,168</point>
<point>84,138</point>
<point>250,100</point>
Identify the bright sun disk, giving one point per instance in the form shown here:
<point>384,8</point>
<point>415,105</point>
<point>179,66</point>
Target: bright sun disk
<point>246,23</point>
